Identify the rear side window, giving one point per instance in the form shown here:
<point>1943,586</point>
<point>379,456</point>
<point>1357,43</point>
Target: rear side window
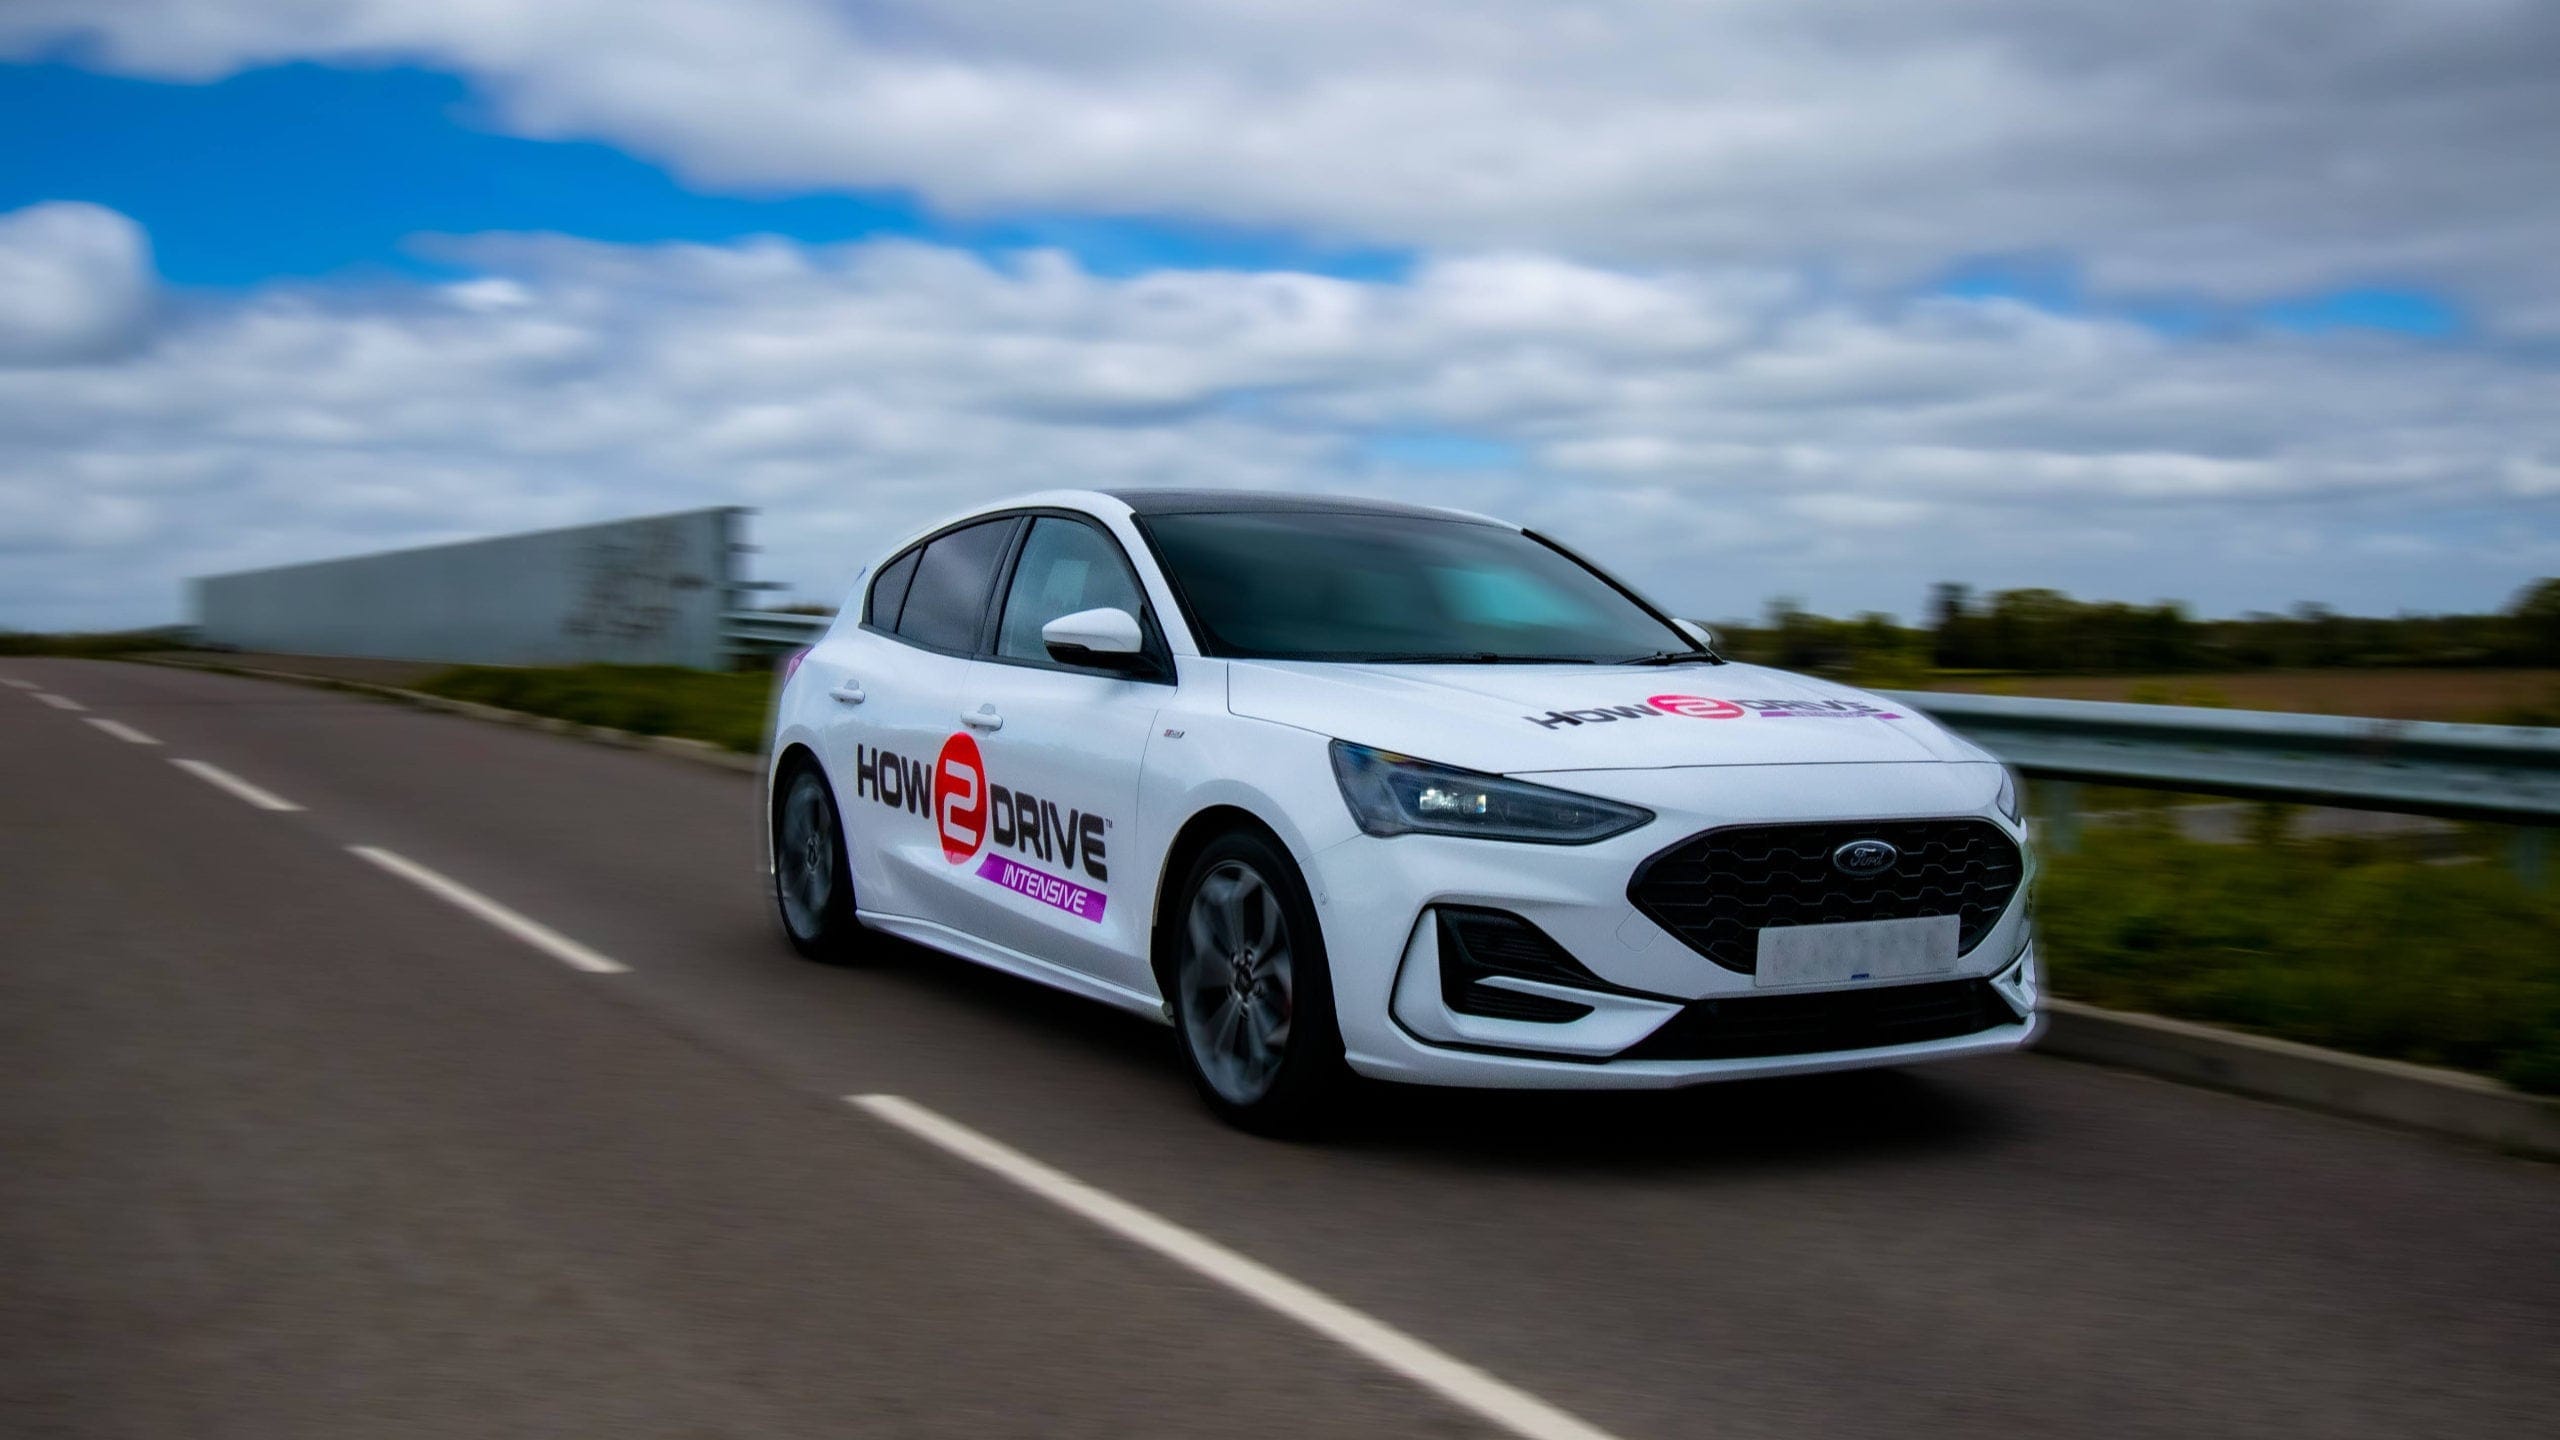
<point>889,592</point>
<point>948,598</point>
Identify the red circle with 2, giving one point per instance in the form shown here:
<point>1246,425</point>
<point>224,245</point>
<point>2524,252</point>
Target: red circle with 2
<point>1697,707</point>
<point>960,798</point>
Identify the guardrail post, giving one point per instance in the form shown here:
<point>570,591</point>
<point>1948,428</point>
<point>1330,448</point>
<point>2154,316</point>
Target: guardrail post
<point>2057,815</point>
<point>2529,851</point>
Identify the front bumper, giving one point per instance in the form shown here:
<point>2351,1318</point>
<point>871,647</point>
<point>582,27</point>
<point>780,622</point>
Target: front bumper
<point>1377,896</point>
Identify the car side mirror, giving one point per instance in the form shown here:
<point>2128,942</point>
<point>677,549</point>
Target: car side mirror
<point>1705,637</point>
<point>1106,639</point>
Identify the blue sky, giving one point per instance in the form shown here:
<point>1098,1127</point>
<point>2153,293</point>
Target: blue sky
<point>306,170</point>
<point>1736,296</point>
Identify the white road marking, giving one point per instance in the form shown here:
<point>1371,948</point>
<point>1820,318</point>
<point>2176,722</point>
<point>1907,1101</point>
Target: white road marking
<point>1506,1406</point>
<point>122,731</point>
<point>216,776</point>
<point>532,932</point>
<point>20,684</point>
<point>59,702</point>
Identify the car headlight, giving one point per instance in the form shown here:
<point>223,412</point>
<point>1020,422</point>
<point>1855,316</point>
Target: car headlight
<point>1392,794</point>
<point>2010,791</point>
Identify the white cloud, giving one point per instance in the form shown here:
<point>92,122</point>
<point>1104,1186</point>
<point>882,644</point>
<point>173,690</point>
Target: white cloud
<point>2247,148</point>
<point>75,284</point>
<point>1719,435</point>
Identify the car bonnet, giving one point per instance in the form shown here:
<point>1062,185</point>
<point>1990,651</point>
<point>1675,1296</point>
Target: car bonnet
<point>1519,719</point>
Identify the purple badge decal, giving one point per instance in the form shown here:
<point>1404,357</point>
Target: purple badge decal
<point>1046,888</point>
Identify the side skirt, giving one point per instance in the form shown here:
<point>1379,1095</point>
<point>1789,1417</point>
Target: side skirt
<point>936,936</point>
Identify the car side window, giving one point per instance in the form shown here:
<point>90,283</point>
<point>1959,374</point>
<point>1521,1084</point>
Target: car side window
<point>1066,566</point>
<point>948,599</point>
<point>889,591</point>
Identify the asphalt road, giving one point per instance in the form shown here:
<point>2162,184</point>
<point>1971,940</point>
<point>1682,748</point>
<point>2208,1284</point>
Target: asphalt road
<point>292,1146</point>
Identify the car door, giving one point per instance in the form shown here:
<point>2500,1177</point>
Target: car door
<point>1062,746</point>
<point>896,749</point>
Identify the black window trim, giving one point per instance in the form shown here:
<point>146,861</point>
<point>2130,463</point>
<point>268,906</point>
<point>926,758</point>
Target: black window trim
<point>1634,596</point>
<point>986,602</point>
<point>1156,648</point>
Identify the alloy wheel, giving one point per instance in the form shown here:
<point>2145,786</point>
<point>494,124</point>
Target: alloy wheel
<point>804,857</point>
<point>1238,982</point>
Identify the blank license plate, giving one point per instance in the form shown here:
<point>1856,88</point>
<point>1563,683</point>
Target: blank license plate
<point>1856,950</point>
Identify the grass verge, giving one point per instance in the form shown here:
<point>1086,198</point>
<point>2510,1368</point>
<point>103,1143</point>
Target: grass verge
<point>2329,942</point>
<point>729,710</point>
<point>92,645</point>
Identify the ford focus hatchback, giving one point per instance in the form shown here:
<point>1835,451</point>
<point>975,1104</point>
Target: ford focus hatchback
<point>1332,785</point>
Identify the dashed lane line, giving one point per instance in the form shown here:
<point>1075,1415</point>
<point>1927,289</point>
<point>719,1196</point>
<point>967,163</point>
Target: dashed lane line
<point>532,932</point>
<point>222,779</point>
<point>59,702</point>
<point>122,731</point>
<point>1507,1406</point>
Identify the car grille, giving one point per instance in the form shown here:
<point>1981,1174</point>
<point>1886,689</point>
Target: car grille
<point>1718,889</point>
<point>1754,1026</point>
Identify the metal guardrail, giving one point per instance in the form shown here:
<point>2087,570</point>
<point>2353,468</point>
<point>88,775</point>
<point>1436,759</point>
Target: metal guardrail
<point>2498,773</point>
<point>2503,774</point>
<point>771,632</point>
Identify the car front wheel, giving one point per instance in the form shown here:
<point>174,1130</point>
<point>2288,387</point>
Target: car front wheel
<point>1253,999</point>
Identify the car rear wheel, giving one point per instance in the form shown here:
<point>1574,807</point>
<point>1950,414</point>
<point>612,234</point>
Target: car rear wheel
<point>812,879</point>
<point>1252,997</point>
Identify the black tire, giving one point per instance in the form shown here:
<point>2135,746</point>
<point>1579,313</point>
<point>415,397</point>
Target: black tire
<point>812,874</point>
<point>1251,993</point>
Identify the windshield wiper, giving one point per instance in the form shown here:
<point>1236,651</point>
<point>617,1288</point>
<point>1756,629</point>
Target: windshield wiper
<point>1676,657</point>
<point>1468,657</point>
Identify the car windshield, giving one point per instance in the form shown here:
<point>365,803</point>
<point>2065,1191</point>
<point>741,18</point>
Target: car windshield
<point>1397,588</point>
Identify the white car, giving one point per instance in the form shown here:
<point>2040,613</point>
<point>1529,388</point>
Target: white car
<point>1330,784</point>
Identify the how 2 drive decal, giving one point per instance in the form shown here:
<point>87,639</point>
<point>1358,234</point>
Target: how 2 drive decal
<point>1701,707</point>
<point>970,813</point>
<point>1697,707</point>
<point>960,798</point>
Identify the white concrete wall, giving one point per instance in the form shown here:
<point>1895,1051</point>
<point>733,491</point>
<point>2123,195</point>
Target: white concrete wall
<point>649,591</point>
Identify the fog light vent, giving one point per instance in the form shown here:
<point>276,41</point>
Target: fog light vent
<point>1480,945</point>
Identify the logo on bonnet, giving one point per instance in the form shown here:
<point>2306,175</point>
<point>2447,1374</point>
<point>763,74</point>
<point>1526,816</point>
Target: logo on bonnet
<point>1702,707</point>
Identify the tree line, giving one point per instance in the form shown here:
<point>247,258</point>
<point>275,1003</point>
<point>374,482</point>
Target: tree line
<point>2048,632</point>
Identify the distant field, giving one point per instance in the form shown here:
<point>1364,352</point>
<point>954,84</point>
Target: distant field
<point>2506,697</point>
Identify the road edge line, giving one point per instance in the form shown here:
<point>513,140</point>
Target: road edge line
<point>1503,1405</point>
<point>2393,1092</point>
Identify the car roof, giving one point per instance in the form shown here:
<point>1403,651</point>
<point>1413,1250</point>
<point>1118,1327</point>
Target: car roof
<point>1212,502</point>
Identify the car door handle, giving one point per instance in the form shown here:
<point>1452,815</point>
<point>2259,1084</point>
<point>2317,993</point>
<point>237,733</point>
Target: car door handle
<point>848,692</point>
<point>983,718</point>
